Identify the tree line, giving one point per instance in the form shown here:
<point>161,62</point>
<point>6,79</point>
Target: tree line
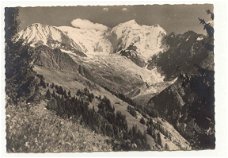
<point>105,120</point>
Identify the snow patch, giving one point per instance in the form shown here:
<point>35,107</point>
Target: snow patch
<point>187,38</point>
<point>158,86</point>
<point>210,22</point>
<point>67,51</point>
<point>199,38</point>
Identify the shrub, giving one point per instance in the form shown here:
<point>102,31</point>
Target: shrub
<point>142,121</point>
<point>132,111</point>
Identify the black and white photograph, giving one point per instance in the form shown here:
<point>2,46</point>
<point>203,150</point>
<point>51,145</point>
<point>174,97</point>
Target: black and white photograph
<point>109,78</point>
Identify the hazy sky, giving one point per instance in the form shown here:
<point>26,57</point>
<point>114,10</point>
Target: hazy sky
<point>173,18</point>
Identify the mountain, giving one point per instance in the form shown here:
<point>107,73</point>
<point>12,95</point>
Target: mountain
<point>92,41</point>
<point>147,40</point>
<point>60,69</point>
<point>188,105</point>
<point>136,42</point>
<point>184,52</point>
<point>151,81</point>
<point>111,70</point>
<point>38,34</point>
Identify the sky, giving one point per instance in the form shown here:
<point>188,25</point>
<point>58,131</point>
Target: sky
<point>173,18</point>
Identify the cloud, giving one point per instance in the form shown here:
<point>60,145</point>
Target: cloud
<point>105,9</point>
<point>124,9</point>
<point>86,24</point>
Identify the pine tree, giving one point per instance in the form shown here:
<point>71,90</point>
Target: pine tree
<point>48,94</point>
<point>42,82</point>
<point>52,85</point>
<point>159,139</point>
<point>207,26</point>
<point>69,94</point>
<point>21,80</point>
<point>142,121</point>
<point>11,27</point>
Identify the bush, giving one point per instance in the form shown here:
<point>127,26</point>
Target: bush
<point>142,121</point>
<point>85,95</point>
<point>153,112</point>
<point>105,106</point>
<point>48,94</point>
<point>132,111</point>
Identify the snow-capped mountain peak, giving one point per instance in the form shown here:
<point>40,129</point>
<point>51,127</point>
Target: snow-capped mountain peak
<point>129,23</point>
<point>147,39</point>
<point>40,34</point>
<point>92,41</point>
<point>93,38</point>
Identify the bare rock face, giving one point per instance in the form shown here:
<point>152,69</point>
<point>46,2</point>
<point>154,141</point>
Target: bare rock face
<point>133,55</point>
<point>54,59</point>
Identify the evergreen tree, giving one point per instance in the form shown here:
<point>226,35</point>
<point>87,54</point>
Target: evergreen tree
<point>142,121</point>
<point>69,94</point>
<point>52,85</point>
<point>42,82</point>
<point>48,94</point>
<point>21,81</point>
<point>207,26</point>
<point>158,139</point>
<point>132,111</point>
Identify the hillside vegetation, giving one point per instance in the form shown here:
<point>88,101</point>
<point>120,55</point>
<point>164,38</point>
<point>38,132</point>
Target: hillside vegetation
<point>33,128</point>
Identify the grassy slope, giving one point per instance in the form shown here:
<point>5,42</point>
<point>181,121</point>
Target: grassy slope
<point>37,129</point>
<point>60,78</point>
<point>67,82</point>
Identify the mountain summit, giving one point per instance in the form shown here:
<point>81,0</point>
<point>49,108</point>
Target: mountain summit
<point>39,34</point>
<point>113,57</point>
<point>147,40</point>
<point>92,38</point>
